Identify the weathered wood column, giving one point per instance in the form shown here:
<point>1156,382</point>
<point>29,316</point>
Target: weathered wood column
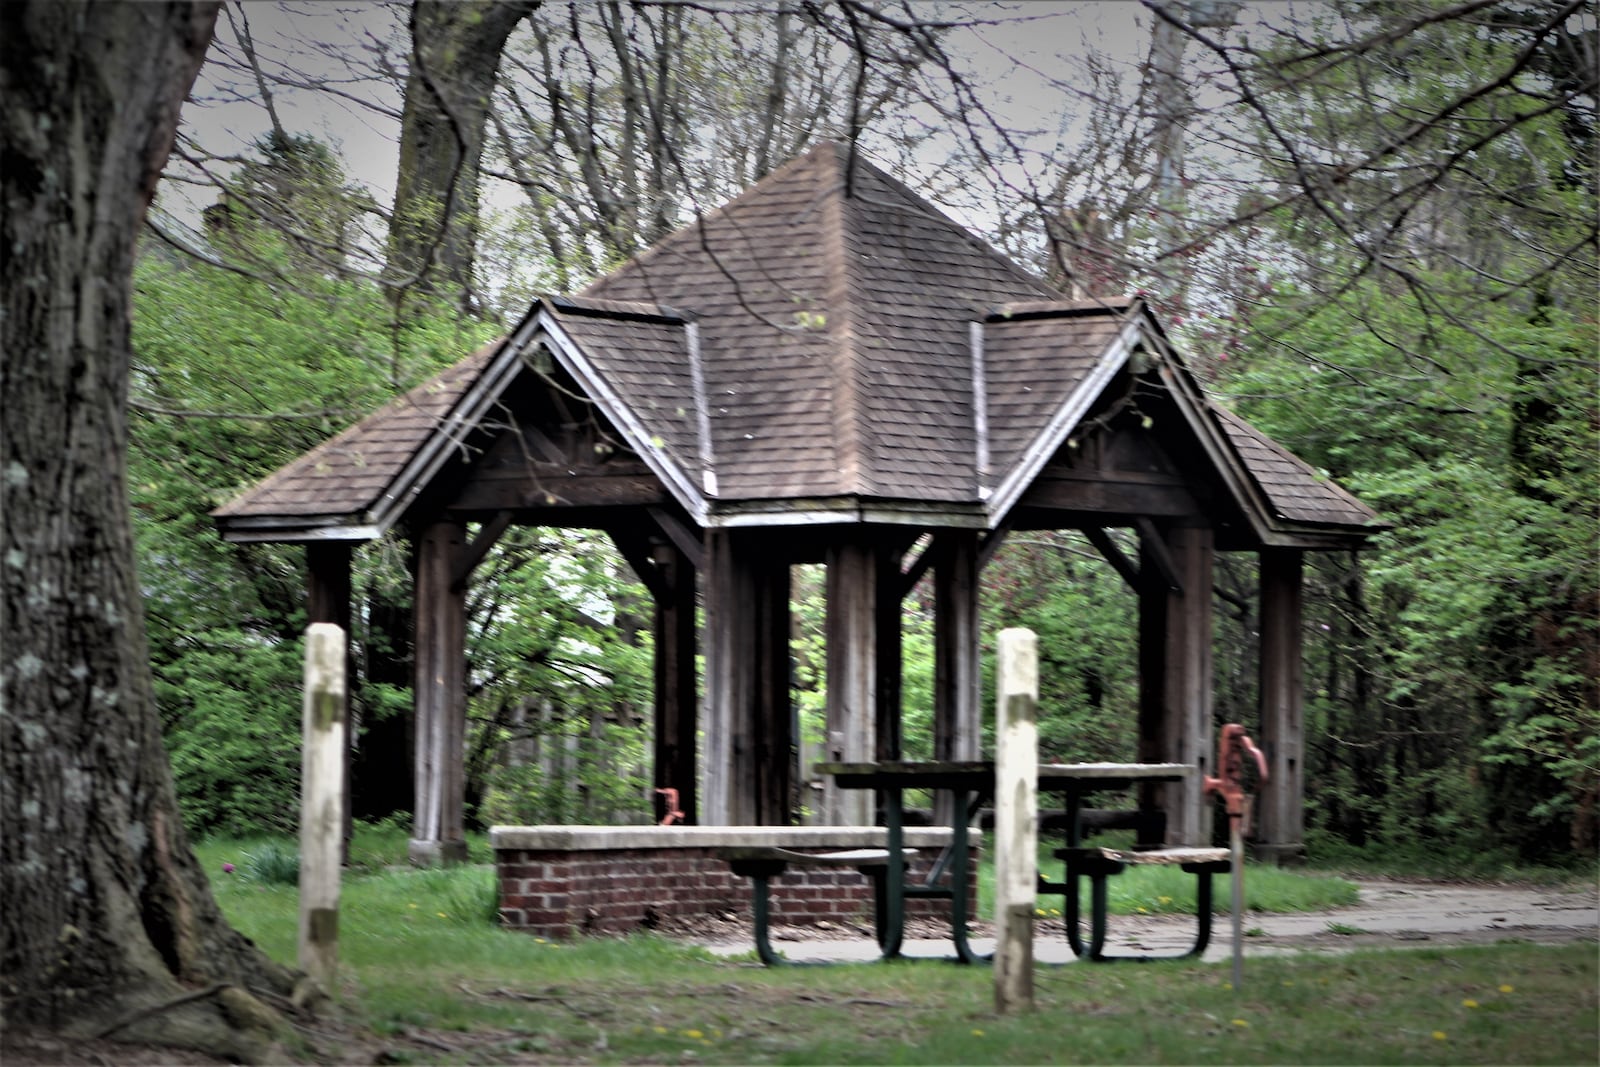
<point>676,692</point>
<point>853,591</point>
<point>749,727</point>
<point>1280,821</point>
<point>439,697</point>
<point>328,600</point>
<point>1175,682</point>
<point>957,666</point>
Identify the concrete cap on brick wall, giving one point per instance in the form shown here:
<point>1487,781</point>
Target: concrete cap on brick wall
<point>601,838</point>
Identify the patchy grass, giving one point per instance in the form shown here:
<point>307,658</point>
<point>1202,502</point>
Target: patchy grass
<point>428,978</point>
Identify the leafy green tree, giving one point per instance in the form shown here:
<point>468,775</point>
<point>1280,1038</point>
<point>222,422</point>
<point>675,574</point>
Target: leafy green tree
<point>234,376</point>
<point>1471,629</point>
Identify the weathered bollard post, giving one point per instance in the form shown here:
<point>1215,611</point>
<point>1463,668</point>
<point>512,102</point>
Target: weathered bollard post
<point>1016,811</point>
<point>322,800</point>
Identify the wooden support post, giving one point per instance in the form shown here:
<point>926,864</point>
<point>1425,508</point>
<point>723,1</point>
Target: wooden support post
<point>322,777</point>
<point>328,600</point>
<point>748,726</point>
<point>1175,683</point>
<point>439,697</point>
<point>772,759</point>
<point>888,661</point>
<point>675,681</point>
<point>851,640</point>
<point>957,666</point>
<point>1016,817</point>
<point>1281,807</point>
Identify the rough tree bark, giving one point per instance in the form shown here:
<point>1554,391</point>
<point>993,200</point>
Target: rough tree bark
<point>455,55</point>
<point>108,922</point>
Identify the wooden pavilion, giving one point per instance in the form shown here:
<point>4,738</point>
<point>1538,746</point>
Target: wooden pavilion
<point>826,369</point>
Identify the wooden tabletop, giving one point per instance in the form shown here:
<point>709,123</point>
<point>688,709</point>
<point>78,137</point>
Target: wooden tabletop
<point>979,774</point>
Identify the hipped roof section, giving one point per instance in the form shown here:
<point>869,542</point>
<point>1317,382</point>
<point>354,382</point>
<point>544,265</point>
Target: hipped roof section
<point>825,347</point>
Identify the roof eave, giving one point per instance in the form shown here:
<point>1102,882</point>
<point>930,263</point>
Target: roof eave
<point>849,509</point>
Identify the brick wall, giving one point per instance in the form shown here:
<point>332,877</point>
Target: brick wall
<point>558,892</point>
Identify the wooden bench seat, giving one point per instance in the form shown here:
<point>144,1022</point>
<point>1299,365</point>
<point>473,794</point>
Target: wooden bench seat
<point>1098,864</point>
<point>762,863</point>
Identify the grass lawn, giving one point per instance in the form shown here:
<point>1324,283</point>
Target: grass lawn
<point>428,978</point>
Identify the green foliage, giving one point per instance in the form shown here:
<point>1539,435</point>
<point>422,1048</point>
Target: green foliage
<point>234,375</point>
<point>1057,585</point>
<point>1456,698</point>
<point>230,704</point>
<point>271,863</point>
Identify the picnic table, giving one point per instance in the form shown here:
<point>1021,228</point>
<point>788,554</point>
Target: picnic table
<point>971,782</point>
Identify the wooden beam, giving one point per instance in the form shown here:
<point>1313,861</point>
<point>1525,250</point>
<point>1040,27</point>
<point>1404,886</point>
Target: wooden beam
<point>1114,555</point>
<point>1153,548</point>
<point>992,541</point>
<point>489,535</point>
<point>1112,495</point>
<point>687,540</point>
<point>919,566</point>
<point>635,549</point>
<point>548,450</point>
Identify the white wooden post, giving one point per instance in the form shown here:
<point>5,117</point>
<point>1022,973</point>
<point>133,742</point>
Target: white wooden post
<point>1016,818</point>
<point>322,800</point>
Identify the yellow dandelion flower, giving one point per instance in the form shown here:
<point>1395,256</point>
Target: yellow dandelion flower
<point>1508,988</point>
<point>1164,900</point>
<point>977,1033</point>
<point>441,915</point>
<point>659,1029</point>
<point>1469,1003</point>
<point>1439,1035</point>
<point>1039,912</point>
<point>411,905</point>
<point>1143,911</point>
<point>1242,1023</point>
<point>693,1035</point>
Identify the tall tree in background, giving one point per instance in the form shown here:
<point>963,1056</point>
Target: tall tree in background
<point>108,918</point>
<point>455,56</point>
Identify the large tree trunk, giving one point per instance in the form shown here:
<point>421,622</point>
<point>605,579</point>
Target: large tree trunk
<point>455,56</point>
<point>106,914</point>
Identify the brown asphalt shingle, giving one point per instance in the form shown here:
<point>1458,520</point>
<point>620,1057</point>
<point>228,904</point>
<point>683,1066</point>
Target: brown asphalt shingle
<point>801,343</point>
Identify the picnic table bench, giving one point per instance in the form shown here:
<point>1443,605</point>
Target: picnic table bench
<point>971,782</point>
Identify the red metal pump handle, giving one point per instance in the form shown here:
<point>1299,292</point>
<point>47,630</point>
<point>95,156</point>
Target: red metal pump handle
<point>1228,783</point>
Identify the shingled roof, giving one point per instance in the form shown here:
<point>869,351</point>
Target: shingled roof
<point>825,347</point>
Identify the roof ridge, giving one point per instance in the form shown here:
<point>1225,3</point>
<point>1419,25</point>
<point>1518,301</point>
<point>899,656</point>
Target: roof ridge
<point>850,442</point>
<point>758,188</point>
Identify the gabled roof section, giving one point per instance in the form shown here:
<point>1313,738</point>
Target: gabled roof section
<point>1045,363</point>
<point>354,485</point>
<point>834,308</point>
<point>1296,492</point>
<point>640,363</point>
<point>827,347</point>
